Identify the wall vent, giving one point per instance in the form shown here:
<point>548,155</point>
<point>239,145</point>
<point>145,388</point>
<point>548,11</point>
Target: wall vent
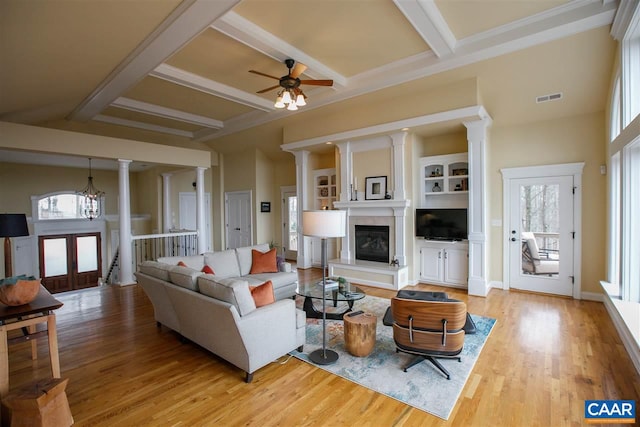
<point>547,98</point>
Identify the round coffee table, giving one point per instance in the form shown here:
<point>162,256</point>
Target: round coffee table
<point>311,291</point>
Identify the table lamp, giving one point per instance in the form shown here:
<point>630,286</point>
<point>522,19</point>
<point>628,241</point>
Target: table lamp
<point>11,225</point>
<point>324,224</point>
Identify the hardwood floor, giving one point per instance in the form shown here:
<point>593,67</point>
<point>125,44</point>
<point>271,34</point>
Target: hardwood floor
<point>545,356</point>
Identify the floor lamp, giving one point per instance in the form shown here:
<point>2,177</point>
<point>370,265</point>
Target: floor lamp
<point>324,224</point>
<point>11,225</point>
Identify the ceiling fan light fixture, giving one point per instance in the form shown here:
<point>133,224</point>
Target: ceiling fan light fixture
<point>300,102</point>
<point>292,106</point>
<point>279,103</point>
<point>286,97</point>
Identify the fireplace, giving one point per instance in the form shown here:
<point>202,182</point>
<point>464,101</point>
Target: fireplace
<point>372,243</point>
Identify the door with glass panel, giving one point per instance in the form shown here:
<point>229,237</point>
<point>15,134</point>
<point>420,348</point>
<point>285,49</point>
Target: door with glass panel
<point>541,234</point>
<point>290,224</point>
<point>70,261</point>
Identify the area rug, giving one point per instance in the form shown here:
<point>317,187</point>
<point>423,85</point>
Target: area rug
<point>423,386</point>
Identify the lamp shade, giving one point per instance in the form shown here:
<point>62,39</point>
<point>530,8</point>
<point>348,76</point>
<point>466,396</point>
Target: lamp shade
<point>323,223</point>
<point>13,225</point>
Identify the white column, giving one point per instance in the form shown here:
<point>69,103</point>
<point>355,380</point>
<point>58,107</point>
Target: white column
<point>478,244</point>
<point>166,203</point>
<point>200,220</point>
<point>346,171</point>
<point>302,189</point>
<point>398,140</point>
<point>399,215</point>
<point>125,261</point>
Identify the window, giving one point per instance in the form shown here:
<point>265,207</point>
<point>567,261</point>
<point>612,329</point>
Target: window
<point>614,222</point>
<point>615,110</point>
<point>61,206</point>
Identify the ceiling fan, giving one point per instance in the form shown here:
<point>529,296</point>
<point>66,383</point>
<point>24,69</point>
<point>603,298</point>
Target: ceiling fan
<point>291,96</point>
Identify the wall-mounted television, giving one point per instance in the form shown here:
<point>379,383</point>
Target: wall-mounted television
<point>441,224</point>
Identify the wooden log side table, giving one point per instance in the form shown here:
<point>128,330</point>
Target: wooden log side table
<point>41,404</point>
<point>360,333</point>
<point>27,316</point>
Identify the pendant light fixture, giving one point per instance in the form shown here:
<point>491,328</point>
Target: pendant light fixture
<point>91,202</point>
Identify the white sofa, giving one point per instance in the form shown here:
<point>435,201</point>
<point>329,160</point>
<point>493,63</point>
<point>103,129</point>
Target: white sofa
<point>218,312</point>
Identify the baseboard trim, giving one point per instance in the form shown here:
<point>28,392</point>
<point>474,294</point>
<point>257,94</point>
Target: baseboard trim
<point>592,296</point>
<point>496,284</point>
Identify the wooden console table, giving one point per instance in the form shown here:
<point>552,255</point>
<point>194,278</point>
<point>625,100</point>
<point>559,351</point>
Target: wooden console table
<point>40,310</point>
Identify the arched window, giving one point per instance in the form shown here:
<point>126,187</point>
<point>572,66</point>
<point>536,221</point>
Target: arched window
<point>63,205</point>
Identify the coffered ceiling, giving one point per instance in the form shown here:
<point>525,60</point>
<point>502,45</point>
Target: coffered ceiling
<point>170,70</point>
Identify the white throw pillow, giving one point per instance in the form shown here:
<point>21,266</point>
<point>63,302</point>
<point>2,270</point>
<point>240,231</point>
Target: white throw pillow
<point>223,263</point>
<point>233,291</point>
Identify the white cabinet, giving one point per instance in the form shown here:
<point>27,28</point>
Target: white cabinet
<point>445,263</point>
<point>446,175</point>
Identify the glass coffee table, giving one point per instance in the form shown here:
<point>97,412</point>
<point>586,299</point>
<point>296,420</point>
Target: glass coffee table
<point>311,291</point>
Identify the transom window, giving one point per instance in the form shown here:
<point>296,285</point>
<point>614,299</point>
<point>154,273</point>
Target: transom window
<point>61,206</point>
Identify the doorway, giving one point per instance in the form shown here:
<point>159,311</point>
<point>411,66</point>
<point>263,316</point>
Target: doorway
<point>542,215</point>
<point>238,219</point>
<point>70,261</point>
<point>289,222</point>
<point>188,216</point>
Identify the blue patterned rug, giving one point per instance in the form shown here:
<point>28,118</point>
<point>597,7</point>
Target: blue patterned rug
<point>423,387</point>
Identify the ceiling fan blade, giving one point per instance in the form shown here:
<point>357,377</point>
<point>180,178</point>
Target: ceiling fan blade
<point>317,82</point>
<point>263,74</point>
<point>268,89</point>
<point>298,69</point>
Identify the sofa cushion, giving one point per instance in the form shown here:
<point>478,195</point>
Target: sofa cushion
<point>263,262</point>
<point>156,269</point>
<point>278,279</point>
<point>208,270</point>
<point>233,291</point>
<point>224,263</point>
<point>193,261</point>
<point>245,258</point>
<point>185,277</point>
<point>263,294</point>
<point>181,264</point>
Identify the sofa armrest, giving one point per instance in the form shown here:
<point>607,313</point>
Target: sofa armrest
<point>269,332</point>
<point>285,267</point>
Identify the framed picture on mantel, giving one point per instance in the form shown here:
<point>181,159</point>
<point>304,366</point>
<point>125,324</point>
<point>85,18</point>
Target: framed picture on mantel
<point>375,187</point>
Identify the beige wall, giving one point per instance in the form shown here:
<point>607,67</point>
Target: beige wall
<point>567,140</point>
<point>371,164</point>
<point>265,192</point>
<point>284,176</point>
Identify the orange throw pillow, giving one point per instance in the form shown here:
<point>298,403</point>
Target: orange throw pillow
<point>263,294</point>
<point>263,262</point>
<point>207,270</point>
<point>181,264</point>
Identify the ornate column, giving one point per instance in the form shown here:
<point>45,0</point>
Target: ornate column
<point>126,260</point>
<point>478,245</point>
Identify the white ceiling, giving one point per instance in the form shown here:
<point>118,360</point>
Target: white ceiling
<point>176,72</point>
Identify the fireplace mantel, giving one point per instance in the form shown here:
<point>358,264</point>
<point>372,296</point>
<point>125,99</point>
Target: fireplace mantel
<point>364,205</point>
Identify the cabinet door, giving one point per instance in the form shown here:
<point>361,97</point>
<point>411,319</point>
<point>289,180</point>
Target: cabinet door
<point>456,266</point>
<point>431,264</point>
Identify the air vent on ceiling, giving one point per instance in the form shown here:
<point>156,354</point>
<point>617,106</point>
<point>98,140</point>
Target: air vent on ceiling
<point>547,98</point>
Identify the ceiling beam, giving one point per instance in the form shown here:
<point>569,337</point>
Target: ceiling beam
<point>202,84</point>
<point>189,19</point>
<point>248,33</point>
<point>140,125</point>
<point>167,113</point>
<point>427,20</point>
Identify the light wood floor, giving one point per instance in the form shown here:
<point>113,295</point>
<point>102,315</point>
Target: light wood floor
<point>545,356</point>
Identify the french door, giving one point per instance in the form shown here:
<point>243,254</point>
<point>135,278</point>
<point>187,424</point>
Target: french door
<point>541,234</point>
<point>70,261</point>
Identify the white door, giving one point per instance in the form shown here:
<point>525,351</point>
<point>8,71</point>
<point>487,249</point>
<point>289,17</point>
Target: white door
<point>188,215</point>
<point>238,224</point>
<point>541,234</point>
<point>290,223</point>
